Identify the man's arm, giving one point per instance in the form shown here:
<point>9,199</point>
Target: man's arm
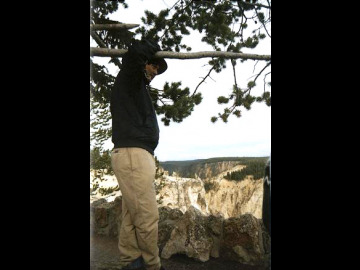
<point>139,52</point>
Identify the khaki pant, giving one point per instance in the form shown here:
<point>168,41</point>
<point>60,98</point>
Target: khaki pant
<point>135,172</point>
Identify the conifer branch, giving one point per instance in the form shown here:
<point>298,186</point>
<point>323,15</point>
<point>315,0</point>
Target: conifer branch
<point>102,44</point>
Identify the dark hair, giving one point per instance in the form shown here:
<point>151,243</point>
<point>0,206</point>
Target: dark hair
<point>161,62</point>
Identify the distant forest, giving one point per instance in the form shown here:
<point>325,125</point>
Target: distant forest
<point>185,163</point>
<point>256,168</point>
<point>187,168</point>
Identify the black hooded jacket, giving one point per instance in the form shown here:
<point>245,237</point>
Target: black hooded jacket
<point>134,122</point>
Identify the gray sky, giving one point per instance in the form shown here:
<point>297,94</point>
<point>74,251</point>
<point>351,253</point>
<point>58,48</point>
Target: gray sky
<point>197,137</point>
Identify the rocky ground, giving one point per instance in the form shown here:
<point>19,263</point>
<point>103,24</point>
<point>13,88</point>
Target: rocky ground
<point>104,256</point>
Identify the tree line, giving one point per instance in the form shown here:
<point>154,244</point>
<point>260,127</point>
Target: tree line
<point>254,168</point>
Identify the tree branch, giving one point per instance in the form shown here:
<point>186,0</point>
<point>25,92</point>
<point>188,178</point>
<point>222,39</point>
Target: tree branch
<point>268,64</point>
<point>105,52</point>
<point>233,65</point>
<point>254,5</point>
<point>265,78</point>
<point>263,24</point>
<point>208,75</point>
<point>98,40</point>
<point>101,43</point>
<point>115,26</point>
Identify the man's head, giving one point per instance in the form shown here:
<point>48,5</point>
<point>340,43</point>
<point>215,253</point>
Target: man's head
<point>155,67</point>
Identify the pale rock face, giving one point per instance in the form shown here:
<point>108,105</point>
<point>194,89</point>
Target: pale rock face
<point>227,199</point>
<point>182,193</point>
<point>243,240</point>
<point>189,237</point>
<point>231,199</point>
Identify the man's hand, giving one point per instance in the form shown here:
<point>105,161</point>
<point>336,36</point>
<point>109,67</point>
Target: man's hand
<point>152,45</point>
<point>141,51</point>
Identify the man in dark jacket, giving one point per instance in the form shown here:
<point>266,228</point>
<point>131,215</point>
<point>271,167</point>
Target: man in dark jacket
<point>135,134</point>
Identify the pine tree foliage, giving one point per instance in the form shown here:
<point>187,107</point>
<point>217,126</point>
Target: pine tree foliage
<point>100,160</point>
<point>100,90</point>
<point>254,168</point>
<point>223,25</point>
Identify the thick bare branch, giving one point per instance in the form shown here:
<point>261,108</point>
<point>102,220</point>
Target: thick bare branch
<point>115,26</point>
<point>98,40</point>
<point>104,52</point>
<point>102,44</point>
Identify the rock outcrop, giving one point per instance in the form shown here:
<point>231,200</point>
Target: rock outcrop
<point>243,240</point>
<point>181,193</point>
<point>189,236</point>
<point>198,236</point>
<point>105,217</point>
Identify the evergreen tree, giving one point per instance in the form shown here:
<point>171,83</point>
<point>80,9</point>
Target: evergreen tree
<point>100,160</point>
<point>254,168</point>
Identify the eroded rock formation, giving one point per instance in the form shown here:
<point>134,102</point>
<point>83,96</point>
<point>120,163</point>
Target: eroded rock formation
<point>198,236</point>
<point>216,196</point>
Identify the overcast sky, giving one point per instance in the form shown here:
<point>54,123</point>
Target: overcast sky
<point>197,137</point>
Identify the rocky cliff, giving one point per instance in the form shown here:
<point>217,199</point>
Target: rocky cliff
<point>231,199</point>
<point>215,195</point>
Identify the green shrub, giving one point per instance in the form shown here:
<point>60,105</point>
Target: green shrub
<point>211,186</point>
<point>109,190</point>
